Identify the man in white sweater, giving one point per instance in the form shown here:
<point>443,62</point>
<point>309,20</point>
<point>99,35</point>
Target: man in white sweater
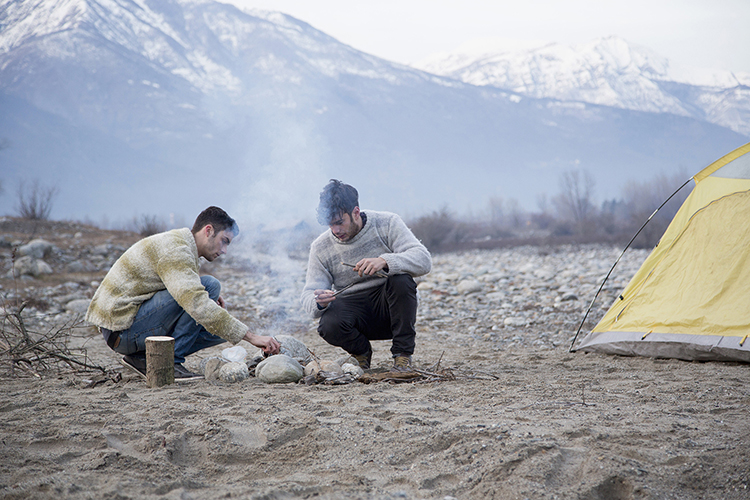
<point>155,288</point>
<point>360,277</point>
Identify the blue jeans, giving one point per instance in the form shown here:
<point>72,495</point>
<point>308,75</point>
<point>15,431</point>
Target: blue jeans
<point>162,315</point>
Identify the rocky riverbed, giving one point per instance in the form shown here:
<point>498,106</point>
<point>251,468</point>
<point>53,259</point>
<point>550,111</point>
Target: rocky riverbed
<point>545,423</point>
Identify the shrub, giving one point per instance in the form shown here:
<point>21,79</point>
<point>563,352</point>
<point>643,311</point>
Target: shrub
<point>642,198</point>
<point>35,201</point>
<point>146,225</point>
<point>438,230</point>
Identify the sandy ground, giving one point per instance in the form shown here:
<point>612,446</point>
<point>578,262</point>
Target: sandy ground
<point>551,424</point>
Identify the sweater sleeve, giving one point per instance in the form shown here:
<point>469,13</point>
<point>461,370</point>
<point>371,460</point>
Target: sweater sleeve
<point>184,284</point>
<point>318,278</point>
<point>409,255</point>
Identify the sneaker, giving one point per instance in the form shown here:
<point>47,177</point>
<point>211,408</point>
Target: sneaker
<point>138,365</point>
<point>401,363</point>
<point>182,374</point>
<point>364,359</point>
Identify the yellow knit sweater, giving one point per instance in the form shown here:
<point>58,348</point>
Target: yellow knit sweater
<point>163,261</point>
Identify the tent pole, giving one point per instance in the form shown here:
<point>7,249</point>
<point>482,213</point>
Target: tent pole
<point>618,260</point>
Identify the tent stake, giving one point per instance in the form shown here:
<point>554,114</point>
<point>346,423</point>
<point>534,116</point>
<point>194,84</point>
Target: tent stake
<point>618,260</point>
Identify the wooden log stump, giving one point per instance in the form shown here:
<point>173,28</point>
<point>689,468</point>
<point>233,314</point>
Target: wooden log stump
<point>159,361</point>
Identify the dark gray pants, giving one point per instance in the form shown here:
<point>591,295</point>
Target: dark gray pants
<point>380,313</point>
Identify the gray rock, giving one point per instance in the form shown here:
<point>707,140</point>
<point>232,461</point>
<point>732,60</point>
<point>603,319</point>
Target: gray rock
<point>29,266</point>
<point>314,367</point>
<point>293,348</point>
<point>78,306</point>
<point>76,267</point>
<point>279,369</point>
<point>233,372</point>
<point>234,354</point>
<point>355,370</point>
<point>102,250</point>
<point>347,359</point>
<point>210,367</point>
<point>469,286</point>
<point>514,321</point>
<point>36,248</point>
<point>544,273</point>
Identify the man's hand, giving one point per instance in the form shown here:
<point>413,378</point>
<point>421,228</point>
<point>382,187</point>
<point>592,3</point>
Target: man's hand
<point>269,344</point>
<point>221,302</point>
<point>370,266</point>
<point>324,297</point>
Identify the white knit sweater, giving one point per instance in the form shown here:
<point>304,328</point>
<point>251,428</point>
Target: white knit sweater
<point>384,235</point>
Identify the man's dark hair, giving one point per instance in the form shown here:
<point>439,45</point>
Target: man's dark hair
<point>219,220</point>
<point>336,199</point>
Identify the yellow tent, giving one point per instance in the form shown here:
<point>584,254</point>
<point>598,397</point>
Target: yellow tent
<point>691,298</point>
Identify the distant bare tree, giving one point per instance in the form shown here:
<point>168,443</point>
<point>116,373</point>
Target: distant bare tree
<point>542,203</point>
<point>146,225</point>
<point>574,202</point>
<point>643,197</point>
<point>35,200</point>
<point>495,206</point>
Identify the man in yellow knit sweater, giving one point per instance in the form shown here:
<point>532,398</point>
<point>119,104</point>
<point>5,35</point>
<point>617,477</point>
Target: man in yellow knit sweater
<point>155,288</point>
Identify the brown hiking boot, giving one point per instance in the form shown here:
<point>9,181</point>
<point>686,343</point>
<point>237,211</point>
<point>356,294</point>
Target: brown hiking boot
<point>401,364</point>
<point>364,359</point>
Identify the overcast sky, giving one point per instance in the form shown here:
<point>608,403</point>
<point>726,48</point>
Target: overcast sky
<point>703,33</point>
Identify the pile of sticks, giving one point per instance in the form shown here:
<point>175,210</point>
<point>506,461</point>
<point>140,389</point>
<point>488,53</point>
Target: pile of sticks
<point>433,374</point>
<point>28,353</point>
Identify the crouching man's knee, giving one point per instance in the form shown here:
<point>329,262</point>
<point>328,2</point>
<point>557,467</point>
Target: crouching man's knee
<point>212,286</point>
<point>401,284</point>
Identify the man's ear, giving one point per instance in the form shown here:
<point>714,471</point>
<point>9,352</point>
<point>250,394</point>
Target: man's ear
<point>355,213</point>
<point>209,230</point>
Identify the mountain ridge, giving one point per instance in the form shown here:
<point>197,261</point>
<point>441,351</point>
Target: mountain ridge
<point>607,71</point>
<point>257,112</point>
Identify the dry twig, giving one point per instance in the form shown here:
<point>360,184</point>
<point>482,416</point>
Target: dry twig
<point>27,352</point>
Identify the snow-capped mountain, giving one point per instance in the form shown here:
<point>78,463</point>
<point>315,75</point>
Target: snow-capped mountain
<point>165,106</point>
<point>608,71</point>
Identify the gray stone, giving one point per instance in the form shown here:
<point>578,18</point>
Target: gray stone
<point>29,266</point>
<point>36,248</point>
<point>469,286</point>
<point>314,367</point>
<point>233,372</point>
<point>210,367</point>
<point>514,321</point>
<point>293,348</point>
<point>235,354</point>
<point>102,250</point>
<point>347,359</point>
<point>279,369</point>
<point>78,306</point>
<point>544,273</point>
<point>75,267</point>
<point>355,370</point>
